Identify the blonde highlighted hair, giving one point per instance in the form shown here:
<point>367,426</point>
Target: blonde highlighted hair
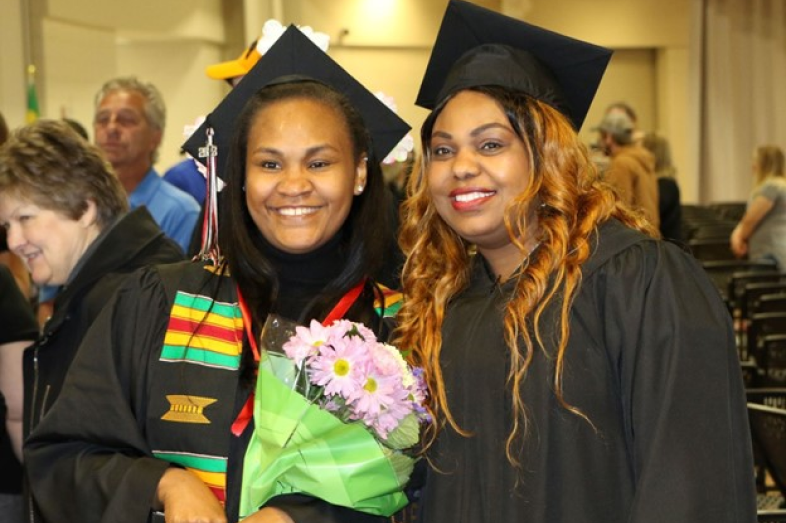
<point>769,162</point>
<point>571,203</point>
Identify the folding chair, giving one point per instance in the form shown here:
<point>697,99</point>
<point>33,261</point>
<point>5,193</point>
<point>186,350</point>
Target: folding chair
<point>721,271</point>
<point>743,299</point>
<point>775,302</point>
<point>771,516</point>
<point>711,249</point>
<point>761,325</point>
<point>753,292</point>
<point>749,372</point>
<point>771,361</point>
<point>768,432</point>
<point>771,397</point>
<point>719,230</point>
<point>740,280</point>
<point>732,211</point>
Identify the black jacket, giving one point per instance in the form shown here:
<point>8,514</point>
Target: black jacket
<point>133,242</point>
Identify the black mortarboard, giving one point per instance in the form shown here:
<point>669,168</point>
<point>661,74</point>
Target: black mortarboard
<point>478,47</point>
<point>294,57</point>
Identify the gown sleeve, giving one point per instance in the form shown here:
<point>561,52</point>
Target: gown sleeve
<point>681,391</point>
<point>88,460</point>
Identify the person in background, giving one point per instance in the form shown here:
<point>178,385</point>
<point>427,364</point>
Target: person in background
<point>18,329</point>
<point>7,258</point>
<point>761,233</point>
<point>669,202</point>
<point>188,175</point>
<point>16,332</point>
<point>637,135</point>
<point>66,216</point>
<point>128,127</point>
<point>301,234</point>
<point>579,368</point>
<point>631,169</point>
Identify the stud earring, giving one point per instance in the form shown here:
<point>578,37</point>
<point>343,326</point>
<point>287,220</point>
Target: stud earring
<point>359,189</point>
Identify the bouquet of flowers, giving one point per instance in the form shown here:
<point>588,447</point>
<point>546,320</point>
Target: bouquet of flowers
<point>335,413</point>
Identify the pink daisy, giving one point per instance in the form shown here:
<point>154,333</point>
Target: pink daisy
<point>338,366</point>
<point>306,341</point>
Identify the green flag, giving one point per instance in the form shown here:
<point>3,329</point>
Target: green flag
<point>32,96</point>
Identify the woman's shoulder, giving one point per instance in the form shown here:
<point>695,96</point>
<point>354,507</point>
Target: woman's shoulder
<point>771,187</point>
<point>611,240</point>
<point>618,250</point>
<point>168,279</point>
<point>193,277</point>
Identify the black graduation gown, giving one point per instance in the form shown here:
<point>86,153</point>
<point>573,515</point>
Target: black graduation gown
<point>93,457</point>
<point>651,362</point>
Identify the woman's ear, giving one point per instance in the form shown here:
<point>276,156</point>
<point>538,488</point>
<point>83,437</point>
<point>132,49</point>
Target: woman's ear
<point>361,175</point>
<point>90,216</point>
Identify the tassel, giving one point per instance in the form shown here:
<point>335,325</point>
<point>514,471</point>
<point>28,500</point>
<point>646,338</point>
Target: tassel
<point>210,250</point>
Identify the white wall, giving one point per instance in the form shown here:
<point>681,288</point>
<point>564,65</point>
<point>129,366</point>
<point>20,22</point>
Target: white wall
<point>78,60</point>
<point>12,63</point>
<point>156,19</point>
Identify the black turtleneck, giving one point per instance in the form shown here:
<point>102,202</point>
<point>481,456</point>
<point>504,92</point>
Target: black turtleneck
<point>303,277</point>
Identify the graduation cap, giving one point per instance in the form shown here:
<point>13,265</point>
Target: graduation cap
<point>478,47</point>
<point>296,58</point>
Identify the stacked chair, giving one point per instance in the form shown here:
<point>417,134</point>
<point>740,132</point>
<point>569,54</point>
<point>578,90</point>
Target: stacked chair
<point>755,293</point>
<point>767,415</point>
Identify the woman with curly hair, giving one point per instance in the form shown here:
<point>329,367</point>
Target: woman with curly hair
<point>579,369</point>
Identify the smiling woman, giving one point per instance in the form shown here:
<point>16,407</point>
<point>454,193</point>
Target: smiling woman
<point>471,138</point>
<point>66,216</point>
<point>173,359</point>
<point>301,174</point>
<point>567,351</point>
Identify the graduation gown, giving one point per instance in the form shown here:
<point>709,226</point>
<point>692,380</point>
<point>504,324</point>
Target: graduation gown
<point>651,362</point>
<point>142,395</point>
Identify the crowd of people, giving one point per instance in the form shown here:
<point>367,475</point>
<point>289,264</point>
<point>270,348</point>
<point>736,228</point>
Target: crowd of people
<point>577,363</point>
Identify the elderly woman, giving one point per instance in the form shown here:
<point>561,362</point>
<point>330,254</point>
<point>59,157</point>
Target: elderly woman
<point>66,216</point>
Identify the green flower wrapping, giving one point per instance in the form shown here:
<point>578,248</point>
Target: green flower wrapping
<point>298,447</point>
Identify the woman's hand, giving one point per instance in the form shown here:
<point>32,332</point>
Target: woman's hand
<point>269,515</point>
<point>186,499</point>
<point>739,246</point>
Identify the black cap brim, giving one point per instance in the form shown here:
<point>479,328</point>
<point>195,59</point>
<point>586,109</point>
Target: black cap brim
<point>295,56</point>
<point>576,66</point>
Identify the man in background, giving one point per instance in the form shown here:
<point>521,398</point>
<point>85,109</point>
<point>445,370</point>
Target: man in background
<point>631,169</point>
<point>128,127</point>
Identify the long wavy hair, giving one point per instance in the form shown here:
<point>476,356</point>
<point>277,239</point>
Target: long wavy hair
<point>366,233</point>
<point>570,203</point>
